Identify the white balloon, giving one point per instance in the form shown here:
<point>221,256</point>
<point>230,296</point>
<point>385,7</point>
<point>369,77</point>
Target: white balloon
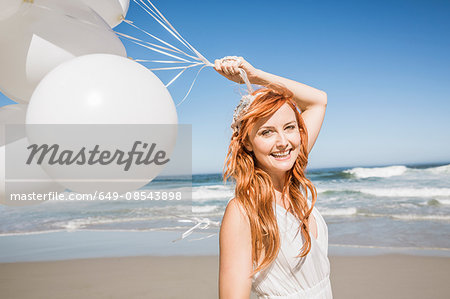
<point>12,114</point>
<point>112,11</point>
<point>45,33</point>
<point>36,179</point>
<point>102,89</point>
<point>8,8</point>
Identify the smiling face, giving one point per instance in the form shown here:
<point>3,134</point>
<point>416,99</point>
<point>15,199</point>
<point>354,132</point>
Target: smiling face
<point>275,141</point>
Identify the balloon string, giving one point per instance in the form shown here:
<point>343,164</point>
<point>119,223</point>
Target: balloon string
<point>174,67</point>
<point>160,51</point>
<point>176,77</point>
<point>159,61</point>
<point>181,40</point>
<point>192,85</point>
<point>209,236</point>
<point>173,31</point>
<point>202,58</point>
<point>159,17</point>
<point>149,43</point>
<point>175,49</point>
<point>203,223</point>
<point>155,13</point>
<point>246,81</point>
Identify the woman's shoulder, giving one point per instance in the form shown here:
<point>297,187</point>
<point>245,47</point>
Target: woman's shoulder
<point>235,217</point>
<point>235,210</point>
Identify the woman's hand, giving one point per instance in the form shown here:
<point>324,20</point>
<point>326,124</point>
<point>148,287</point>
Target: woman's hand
<point>229,68</point>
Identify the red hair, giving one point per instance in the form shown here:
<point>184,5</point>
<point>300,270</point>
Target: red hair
<point>254,190</point>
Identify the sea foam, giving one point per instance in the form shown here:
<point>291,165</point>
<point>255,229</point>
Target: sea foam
<point>377,172</point>
<point>203,193</point>
<point>338,211</point>
<point>407,192</point>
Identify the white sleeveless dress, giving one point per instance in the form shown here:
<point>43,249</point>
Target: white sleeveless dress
<point>289,277</point>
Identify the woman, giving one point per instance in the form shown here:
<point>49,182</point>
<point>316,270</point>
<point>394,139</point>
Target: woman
<point>272,240</point>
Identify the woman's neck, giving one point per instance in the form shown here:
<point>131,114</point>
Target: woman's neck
<point>278,182</point>
<point>281,201</point>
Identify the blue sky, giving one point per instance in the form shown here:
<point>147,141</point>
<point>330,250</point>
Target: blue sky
<point>384,65</point>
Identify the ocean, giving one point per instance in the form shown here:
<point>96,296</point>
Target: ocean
<point>397,206</point>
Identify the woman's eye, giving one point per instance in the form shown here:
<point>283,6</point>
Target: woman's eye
<point>291,127</point>
<point>265,132</point>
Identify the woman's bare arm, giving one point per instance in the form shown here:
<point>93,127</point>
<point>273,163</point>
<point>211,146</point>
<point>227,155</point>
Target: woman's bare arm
<point>235,254</point>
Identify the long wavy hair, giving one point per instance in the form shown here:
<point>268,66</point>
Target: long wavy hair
<point>254,190</point>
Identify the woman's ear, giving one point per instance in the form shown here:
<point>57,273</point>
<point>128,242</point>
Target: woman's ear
<point>248,145</point>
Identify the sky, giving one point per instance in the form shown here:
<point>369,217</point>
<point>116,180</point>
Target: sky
<point>383,64</point>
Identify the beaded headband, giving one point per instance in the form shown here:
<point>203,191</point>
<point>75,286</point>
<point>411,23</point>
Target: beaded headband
<point>241,109</point>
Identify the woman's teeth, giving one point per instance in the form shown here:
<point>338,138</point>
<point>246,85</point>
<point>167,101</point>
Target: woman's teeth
<point>281,154</point>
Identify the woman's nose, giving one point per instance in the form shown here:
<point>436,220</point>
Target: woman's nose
<point>282,140</point>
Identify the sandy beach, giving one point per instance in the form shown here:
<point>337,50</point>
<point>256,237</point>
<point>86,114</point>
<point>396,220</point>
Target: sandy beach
<point>383,276</point>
